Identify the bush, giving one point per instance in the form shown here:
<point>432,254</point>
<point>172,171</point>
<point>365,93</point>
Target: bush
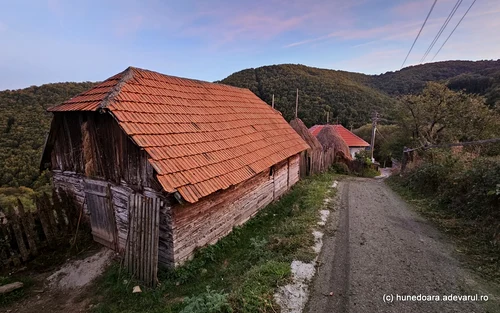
<point>340,168</point>
<point>469,188</point>
<point>207,302</point>
<point>473,191</point>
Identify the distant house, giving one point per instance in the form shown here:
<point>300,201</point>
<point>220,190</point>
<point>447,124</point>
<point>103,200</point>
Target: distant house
<point>207,156</point>
<point>355,143</point>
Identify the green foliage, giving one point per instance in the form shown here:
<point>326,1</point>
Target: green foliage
<point>440,115</point>
<point>24,124</point>
<point>466,186</point>
<point>340,168</point>
<point>343,94</point>
<point>462,195</point>
<point>389,141</point>
<point>207,302</point>
<point>247,265</point>
<point>479,77</point>
<point>364,157</point>
<point>8,298</point>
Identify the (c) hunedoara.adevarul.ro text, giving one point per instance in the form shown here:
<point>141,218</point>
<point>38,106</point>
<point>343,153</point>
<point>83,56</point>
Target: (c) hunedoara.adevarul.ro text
<point>389,298</point>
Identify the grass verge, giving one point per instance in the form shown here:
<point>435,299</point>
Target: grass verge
<point>11,297</point>
<point>472,242</point>
<point>238,274</point>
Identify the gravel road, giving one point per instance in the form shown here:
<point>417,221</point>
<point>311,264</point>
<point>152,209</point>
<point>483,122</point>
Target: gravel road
<point>376,246</point>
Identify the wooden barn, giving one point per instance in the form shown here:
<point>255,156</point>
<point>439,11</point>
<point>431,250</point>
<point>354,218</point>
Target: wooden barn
<point>311,160</point>
<point>203,157</point>
<point>335,148</point>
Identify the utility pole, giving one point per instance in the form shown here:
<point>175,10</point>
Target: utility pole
<point>327,117</point>
<point>374,131</point>
<point>272,104</point>
<point>297,103</point>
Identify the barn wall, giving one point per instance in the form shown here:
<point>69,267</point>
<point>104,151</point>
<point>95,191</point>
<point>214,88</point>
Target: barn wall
<point>120,195</point>
<point>205,222</point>
<point>93,145</point>
<point>293,170</point>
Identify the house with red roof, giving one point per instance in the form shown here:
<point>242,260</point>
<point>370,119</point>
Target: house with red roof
<point>355,143</point>
<point>203,157</point>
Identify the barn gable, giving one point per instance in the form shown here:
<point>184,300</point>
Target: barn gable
<point>199,137</point>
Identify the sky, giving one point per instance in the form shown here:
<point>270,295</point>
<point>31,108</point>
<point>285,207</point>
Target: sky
<point>45,41</point>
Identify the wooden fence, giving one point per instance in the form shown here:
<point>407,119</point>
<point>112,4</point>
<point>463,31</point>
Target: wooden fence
<point>141,253</point>
<point>25,234</point>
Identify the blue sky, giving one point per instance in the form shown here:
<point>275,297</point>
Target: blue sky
<point>55,40</point>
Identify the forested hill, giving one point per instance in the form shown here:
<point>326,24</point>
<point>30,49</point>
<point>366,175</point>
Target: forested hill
<point>481,77</point>
<point>23,126</point>
<point>347,96</point>
<point>351,97</point>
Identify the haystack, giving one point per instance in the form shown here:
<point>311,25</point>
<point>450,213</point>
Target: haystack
<point>334,147</point>
<point>311,160</point>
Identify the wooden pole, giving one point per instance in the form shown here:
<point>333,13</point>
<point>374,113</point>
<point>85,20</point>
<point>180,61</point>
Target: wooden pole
<point>327,117</point>
<point>272,103</point>
<point>374,130</point>
<point>297,103</point>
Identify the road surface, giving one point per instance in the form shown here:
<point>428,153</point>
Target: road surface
<point>377,251</point>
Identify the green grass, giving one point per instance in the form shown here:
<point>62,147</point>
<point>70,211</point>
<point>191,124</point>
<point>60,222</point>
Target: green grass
<point>242,271</point>
<point>472,241</point>
<point>6,299</point>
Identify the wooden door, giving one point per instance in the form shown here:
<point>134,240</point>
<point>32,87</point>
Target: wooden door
<point>102,217</point>
<point>141,253</point>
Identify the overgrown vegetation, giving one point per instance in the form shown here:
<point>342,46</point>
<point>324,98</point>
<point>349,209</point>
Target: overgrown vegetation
<point>238,274</point>
<point>8,298</point>
<point>23,127</point>
<point>461,193</point>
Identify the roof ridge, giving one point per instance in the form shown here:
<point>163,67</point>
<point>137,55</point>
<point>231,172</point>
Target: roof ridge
<point>127,74</point>
<point>188,79</point>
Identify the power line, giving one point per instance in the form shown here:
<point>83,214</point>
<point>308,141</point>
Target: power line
<point>453,30</point>
<point>450,16</point>
<point>428,14</point>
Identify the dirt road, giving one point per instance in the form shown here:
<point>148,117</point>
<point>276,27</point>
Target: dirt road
<point>379,251</point>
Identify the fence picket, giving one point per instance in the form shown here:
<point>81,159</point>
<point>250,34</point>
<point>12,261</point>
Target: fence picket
<point>29,228</point>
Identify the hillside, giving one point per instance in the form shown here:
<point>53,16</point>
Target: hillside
<point>347,96</point>
<point>352,97</point>
<point>23,127</point>
<point>479,77</point>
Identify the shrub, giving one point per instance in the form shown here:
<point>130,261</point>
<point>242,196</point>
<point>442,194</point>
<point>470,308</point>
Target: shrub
<point>340,168</point>
<point>207,302</point>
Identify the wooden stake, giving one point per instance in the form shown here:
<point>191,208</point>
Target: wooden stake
<point>297,103</point>
<point>272,104</point>
<point>374,131</point>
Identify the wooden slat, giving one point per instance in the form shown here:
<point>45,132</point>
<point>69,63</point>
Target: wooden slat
<point>29,228</point>
<point>50,215</point>
<point>42,216</point>
<point>142,249</point>
<point>16,227</point>
<point>58,208</point>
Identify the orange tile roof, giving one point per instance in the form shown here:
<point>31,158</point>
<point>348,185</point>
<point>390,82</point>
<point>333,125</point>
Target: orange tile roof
<point>351,139</point>
<point>201,137</point>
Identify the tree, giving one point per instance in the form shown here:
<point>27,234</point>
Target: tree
<point>439,114</point>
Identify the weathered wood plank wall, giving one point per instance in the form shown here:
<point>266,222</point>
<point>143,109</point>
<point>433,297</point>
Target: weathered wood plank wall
<point>205,222</point>
<point>80,143</point>
<point>141,254</point>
